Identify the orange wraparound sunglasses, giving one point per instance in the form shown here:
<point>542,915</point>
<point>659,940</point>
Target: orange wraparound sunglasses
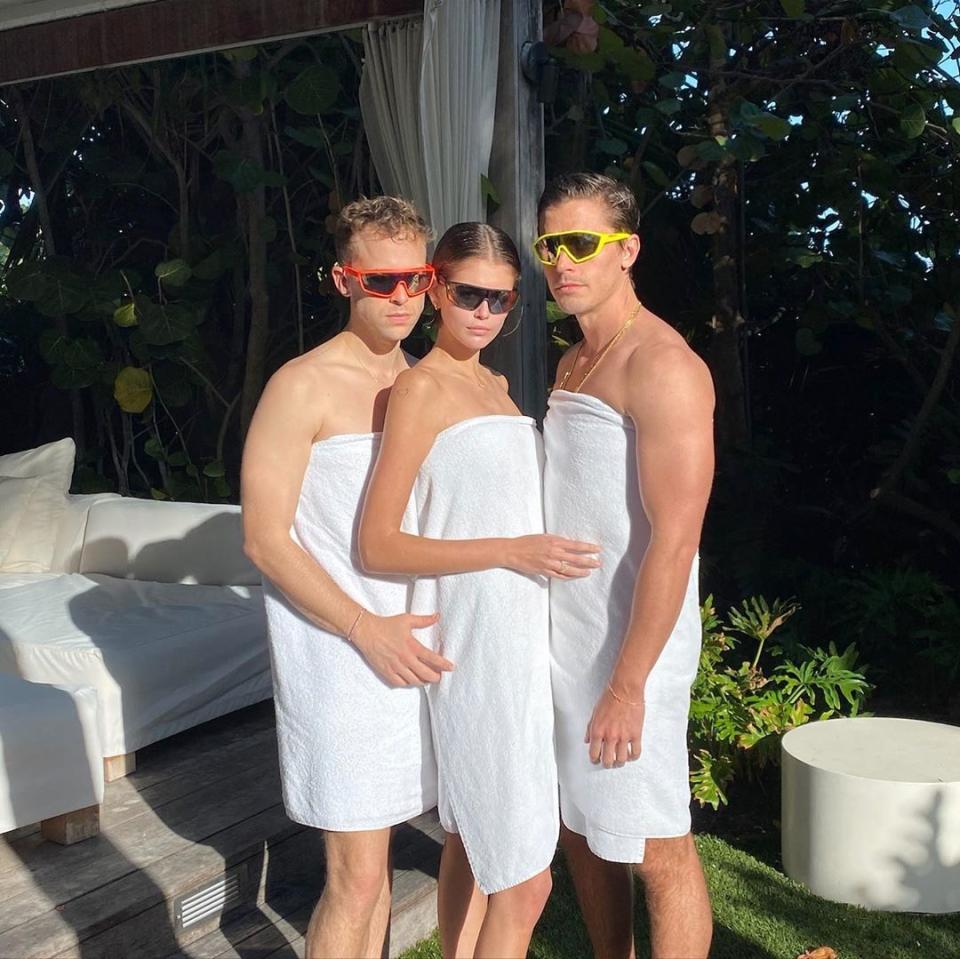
<point>416,280</point>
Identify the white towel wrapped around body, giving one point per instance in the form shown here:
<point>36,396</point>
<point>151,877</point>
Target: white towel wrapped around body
<point>592,493</point>
<point>354,753</point>
<point>492,717</point>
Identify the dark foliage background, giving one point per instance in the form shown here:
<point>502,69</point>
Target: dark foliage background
<point>165,241</point>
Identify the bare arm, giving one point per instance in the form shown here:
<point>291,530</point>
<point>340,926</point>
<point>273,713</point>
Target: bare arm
<point>411,426</point>
<point>275,459</point>
<point>673,411</point>
<point>671,403</point>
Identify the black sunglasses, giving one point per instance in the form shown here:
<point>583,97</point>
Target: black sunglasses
<point>469,297</point>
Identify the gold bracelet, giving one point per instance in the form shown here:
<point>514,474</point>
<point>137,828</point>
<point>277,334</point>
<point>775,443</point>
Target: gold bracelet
<point>620,699</point>
<point>349,635</point>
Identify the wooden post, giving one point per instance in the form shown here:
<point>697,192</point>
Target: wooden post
<point>517,173</point>
<point>116,767</point>
<point>72,827</point>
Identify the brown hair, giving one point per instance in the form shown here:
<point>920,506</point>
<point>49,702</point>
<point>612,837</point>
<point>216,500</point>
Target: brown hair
<point>388,216</point>
<point>618,197</point>
<point>465,240</point>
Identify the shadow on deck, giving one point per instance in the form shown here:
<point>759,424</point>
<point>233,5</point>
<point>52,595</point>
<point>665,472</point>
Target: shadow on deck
<point>199,822</point>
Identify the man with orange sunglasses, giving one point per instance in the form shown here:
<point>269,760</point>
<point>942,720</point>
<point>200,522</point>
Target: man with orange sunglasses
<point>356,752</point>
<point>629,465</point>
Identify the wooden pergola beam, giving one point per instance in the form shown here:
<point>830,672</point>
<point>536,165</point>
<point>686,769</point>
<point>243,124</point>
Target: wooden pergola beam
<point>173,28</point>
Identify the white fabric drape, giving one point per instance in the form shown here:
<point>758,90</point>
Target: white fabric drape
<point>429,108</point>
<point>389,101</point>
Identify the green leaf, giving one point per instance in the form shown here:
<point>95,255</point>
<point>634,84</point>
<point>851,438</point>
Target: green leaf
<point>308,136</point>
<point>912,18</point>
<point>154,449</point>
<point>132,389</point>
<point>554,313</point>
<point>612,147</point>
<point>955,123</point>
<point>794,8</point>
<point>488,191</point>
<point>64,293</point>
<point>669,107</point>
<point>240,54</point>
<point>162,324</point>
<point>314,91</point>
<point>125,315</point>
<point>215,265</point>
<point>773,126</point>
<point>241,173</point>
<point>173,272</point>
<point>7,162</point>
<point>214,469</point>
<point>913,121</point>
<point>656,174</point>
<point>77,362</point>
<point>27,281</point>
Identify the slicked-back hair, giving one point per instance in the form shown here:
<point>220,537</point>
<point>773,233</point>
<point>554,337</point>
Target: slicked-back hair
<point>463,241</point>
<point>387,216</point>
<point>618,197</point>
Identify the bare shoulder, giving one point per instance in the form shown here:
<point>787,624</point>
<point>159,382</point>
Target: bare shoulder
<point>666,374</point>
<point>419,384</point>
<point>499,380</point>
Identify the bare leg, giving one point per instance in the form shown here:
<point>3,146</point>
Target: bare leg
<point>681,925</point>
<point>511,916</point>
<point>353,914</point>
<point>461,905</point>
<point>605,893</point>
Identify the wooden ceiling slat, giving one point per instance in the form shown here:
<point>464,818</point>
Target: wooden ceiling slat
<point>170,28</point>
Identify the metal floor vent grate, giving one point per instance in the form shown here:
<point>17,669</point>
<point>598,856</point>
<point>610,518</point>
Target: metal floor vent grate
<point>215,897</point>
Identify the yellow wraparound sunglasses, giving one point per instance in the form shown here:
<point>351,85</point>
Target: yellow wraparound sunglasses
<point>579,245</point>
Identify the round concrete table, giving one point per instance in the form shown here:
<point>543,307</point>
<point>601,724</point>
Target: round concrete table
<point>871,812</point>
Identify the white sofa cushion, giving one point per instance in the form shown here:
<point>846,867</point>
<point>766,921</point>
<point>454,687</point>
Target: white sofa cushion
<point>73,526</point>
<point>30,546</point>
<point>50,749</point>
<point>166,542</point>
<point>162,656</point>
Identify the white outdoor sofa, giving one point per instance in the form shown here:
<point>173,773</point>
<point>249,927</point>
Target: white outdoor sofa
<point>151,604</point>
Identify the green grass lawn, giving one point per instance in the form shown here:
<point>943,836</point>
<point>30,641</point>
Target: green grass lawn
<point>759,914</point>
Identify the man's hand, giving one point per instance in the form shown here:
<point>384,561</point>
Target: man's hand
<point>614,731</point>
<point>388,645</point>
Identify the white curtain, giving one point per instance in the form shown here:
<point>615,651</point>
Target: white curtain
<point>389,102</point>
<point>429,108</point>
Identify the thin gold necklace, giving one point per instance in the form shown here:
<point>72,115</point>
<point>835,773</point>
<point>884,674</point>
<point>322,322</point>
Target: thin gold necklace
<point>369,372</point>
<point>596,362</point>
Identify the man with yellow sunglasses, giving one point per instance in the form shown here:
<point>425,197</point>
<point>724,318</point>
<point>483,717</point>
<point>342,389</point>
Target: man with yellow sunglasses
<point>629,465</point>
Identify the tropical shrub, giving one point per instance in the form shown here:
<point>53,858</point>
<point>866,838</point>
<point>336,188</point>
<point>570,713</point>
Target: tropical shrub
<point>741,707</point>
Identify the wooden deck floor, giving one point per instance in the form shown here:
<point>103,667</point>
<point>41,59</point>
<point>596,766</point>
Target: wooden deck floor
<point>201,805</point>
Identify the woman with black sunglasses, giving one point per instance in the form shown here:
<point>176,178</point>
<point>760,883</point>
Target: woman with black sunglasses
<point>455,439</point>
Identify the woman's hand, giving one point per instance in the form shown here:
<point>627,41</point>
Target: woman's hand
<point>544,554</point>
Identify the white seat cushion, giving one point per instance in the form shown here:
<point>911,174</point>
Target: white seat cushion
<point>50,759</point>
<point>162,656</point>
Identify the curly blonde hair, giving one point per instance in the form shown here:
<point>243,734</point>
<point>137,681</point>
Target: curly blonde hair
<point>388,216</point>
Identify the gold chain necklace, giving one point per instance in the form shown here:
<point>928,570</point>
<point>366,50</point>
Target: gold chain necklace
<point>369,372</point>
<point>596,362</point>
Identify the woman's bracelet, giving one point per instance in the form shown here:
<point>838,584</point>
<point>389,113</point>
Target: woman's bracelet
<point>620,699</point>
<point>349,636</point>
